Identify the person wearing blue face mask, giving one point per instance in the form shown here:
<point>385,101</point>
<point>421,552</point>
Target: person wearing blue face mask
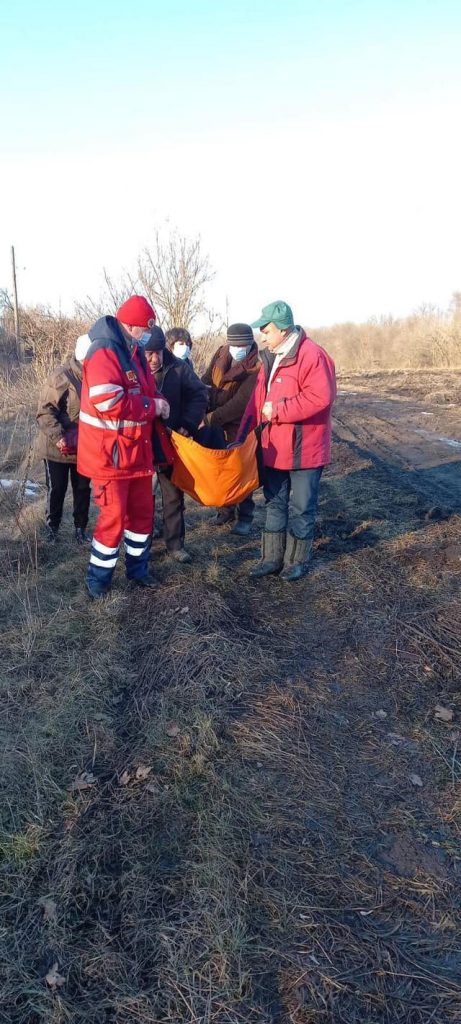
<point>231,379</point>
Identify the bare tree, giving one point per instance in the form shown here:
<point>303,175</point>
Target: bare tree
<point>173,273</point>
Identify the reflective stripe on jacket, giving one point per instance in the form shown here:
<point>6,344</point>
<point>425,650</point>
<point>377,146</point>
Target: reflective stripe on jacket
<point>117,407</point>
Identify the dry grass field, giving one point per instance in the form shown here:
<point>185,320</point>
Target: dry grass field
<point>230,802</point>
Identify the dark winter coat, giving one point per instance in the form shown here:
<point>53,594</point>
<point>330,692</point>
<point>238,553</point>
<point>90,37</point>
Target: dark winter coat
<point>230,385</point>
<point>184,391</point>
<point>58,409</point>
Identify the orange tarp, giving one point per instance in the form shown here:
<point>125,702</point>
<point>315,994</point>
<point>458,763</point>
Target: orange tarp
<point>215,478</point>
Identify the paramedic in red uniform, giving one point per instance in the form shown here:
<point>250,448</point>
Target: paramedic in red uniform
<point>118,404</point>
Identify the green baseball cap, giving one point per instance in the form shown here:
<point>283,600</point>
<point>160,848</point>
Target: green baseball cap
<point>278,313</point>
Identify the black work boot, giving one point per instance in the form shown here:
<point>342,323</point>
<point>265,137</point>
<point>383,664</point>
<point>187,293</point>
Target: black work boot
<point>296,561</point>
<point>51,534</point>
<point>81,536</point>
<point>272,552</point>
<point>145,581</point>
<point>242,528</point>
<point>224,516</point>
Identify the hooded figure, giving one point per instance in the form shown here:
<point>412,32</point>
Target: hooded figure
<point>119,403</point>
<point>57,418</point>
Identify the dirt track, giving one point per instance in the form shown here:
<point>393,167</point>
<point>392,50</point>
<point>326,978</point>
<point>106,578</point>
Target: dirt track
<point>406,432</point>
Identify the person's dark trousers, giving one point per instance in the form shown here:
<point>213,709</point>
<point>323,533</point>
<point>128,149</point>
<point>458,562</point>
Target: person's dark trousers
<point>291,500</point>
<point>245,511</point>
<point>57,478</point>
<point>173,511</point>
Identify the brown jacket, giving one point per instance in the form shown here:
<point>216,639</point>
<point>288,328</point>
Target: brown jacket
<point>231,386</point>
<point>58,409</point>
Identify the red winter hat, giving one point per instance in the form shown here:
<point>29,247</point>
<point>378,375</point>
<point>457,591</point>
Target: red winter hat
<point>137,312</point>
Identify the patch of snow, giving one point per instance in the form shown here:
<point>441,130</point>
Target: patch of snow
<point>30,485</point>
<point>31,489</point>
<point>451,442</point>
<point>443,440</point>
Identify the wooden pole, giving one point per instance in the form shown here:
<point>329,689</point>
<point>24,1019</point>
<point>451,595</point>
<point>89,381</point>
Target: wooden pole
<point>15,305</point>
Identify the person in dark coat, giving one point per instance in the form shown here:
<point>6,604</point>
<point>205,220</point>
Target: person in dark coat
<point>57,419</point>
<point>179,342</point>
<point>231,378</point>
<point>187,397</point>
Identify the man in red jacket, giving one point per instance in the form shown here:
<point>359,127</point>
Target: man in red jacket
<point>294,394</point>
<point>118,404</point>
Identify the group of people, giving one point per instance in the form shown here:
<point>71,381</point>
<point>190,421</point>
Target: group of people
<point>104,418</point>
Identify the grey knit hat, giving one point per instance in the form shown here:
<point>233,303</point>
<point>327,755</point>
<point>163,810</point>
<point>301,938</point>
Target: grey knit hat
<point>240,335</point>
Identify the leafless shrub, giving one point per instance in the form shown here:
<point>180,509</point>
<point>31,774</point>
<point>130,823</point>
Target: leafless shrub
<point>428,338</point>
<point>172,272</point>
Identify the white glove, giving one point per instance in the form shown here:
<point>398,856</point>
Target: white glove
<point>162,408</point>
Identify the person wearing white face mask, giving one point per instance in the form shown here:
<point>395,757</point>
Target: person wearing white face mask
<point>231,379</point>
<point>179,342</point>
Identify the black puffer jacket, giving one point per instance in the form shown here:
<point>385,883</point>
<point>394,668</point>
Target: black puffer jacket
<point>185,393</point>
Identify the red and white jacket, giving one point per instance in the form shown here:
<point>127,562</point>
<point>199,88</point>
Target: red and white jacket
<point>302,391</point>
<point>117,407</point>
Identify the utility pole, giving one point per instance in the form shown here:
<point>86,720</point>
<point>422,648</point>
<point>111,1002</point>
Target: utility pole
<point>15,305</point>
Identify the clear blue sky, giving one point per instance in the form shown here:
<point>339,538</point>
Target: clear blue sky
<point>295,97</point>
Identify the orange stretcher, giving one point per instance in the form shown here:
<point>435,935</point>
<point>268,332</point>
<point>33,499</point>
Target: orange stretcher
<point>215,477</point>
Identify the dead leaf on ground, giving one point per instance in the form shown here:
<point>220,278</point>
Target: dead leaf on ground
<point>49,908</point>
<point>142,772</point>
<point>124,778</point>
<point>415,779</point>
<point>172,729</point>
<point>153,789</point>
<point>443,714</point>
<point>83,781</point>
<point>381,715</point>
<point>53,978</point>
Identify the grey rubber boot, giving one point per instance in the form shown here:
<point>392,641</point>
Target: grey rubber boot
<point>296,562</point>
<point>272,552</point>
